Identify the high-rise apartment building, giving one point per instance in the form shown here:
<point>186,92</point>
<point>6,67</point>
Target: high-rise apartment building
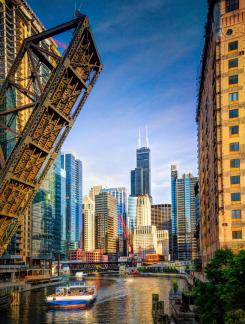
<point>74,226</point>
<point>88,224</point>
<point>184,243</point>
<point>120,195</point>
<point>141,175</point>
<point>106,220</point>
<point>17,21</point>
<point>221,127</point>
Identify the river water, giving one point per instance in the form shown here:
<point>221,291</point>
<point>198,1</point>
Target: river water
<point>120,300</point>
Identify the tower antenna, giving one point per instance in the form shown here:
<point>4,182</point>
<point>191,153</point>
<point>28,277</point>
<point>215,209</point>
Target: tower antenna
<point>147,137</point>
<point>139,139</point>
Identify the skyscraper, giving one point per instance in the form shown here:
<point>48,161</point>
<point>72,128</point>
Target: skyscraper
<point>42,215</point>
<point>161,218</point>
<point>220,119</point>
<point>120,195</point>
<point>106,221</point>
<point>132,210</point>
<point>147,239</point>
<point>74,224</point>
<point>89,224</point>
<point>174,176</point>
<point>141,175</point>
<point>17,21</point>
<point>143,212</point>
<point>95,190</point>
<point>59,223</point>
<point>48,215</point>
<point>183,216</point>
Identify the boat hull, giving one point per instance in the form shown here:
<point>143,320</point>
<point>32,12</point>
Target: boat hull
<point>68,303</point>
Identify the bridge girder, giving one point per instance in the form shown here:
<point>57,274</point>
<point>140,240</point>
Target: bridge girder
<point>55,92</point>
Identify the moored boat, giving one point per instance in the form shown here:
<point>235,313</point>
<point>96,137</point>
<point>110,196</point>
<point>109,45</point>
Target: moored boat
<point>80,274</point>
<point>73,295</point>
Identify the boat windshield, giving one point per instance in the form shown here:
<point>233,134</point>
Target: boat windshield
<point>72,291</point>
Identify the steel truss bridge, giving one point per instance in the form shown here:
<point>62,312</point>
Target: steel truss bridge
<point>96,266</point>
<point>55,92</point>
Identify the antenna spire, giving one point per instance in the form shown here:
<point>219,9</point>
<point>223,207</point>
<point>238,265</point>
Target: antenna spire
<point>147,137</point>
<point>139,139</point>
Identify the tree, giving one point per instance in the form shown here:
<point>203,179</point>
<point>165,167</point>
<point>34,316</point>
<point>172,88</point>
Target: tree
<point>235,317</point>
<point>222,297</point>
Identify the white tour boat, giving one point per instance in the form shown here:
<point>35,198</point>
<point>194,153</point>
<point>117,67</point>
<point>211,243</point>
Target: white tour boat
<point>74,295</point>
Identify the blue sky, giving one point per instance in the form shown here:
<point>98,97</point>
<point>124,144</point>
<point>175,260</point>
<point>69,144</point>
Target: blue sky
<point>151,53</point>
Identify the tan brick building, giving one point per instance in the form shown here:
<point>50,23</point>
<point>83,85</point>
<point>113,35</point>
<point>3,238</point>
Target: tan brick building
<point>221,129</point>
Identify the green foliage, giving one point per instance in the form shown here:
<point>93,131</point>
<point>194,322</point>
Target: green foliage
<point>235,317</point>
<point>157,270</point>
<point>219,299</point>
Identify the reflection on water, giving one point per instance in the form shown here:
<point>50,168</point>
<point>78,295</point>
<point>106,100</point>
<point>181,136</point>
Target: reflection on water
<point>120,300</point>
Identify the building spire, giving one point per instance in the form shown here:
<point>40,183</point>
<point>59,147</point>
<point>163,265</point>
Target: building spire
<point>147,137</point>
<point>139,139</point>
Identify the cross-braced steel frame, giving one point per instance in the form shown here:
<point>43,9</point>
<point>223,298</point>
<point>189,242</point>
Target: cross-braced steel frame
<point>54,93</point>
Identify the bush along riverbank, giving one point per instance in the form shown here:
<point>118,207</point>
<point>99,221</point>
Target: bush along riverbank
<point>157,270</point>
<point>221,300</point>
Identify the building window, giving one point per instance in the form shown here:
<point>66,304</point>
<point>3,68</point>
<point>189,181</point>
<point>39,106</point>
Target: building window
<point>232,46</point>
<point>236,196</point>
<point>236,234</point>
<point>235,163</point>
<point>236,214</point>
<point>233,96</point>
<point>233,113</point>
<point>234,130</point>
<point>231,5</point>
<point>234,147</point>
<point>233,63</point>
<point>233,79</point>
<point>235,179</point>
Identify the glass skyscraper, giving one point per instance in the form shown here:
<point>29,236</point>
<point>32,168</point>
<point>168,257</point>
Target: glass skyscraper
<point>141,175</point>
<point>74,226</point>
<point>184,244</point>
<point>132,210</point>
<point>48,216</point>
<point>59,231</point>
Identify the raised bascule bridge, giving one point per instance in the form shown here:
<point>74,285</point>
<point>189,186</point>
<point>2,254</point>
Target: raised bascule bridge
<point>52,93</point>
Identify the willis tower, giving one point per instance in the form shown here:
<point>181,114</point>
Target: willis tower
<point>141,175</point>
